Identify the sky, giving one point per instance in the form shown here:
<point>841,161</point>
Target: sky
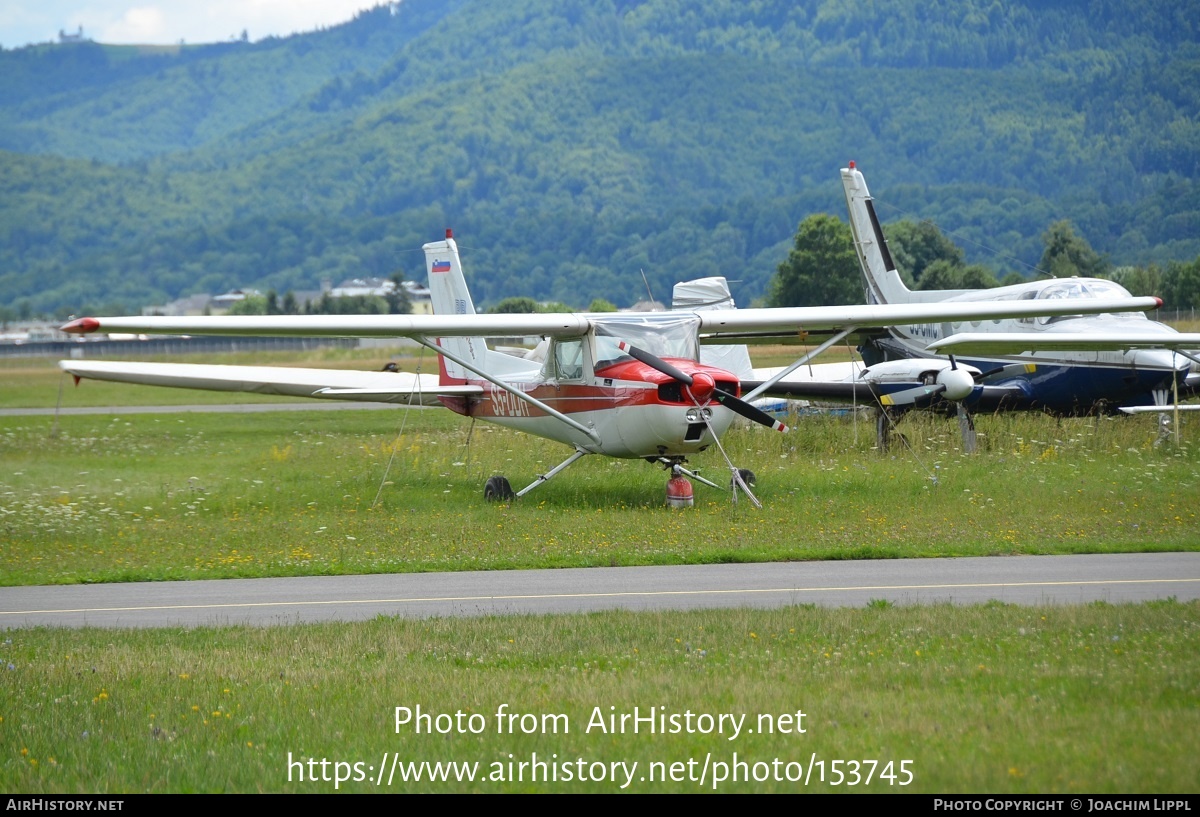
<point>162,22</point>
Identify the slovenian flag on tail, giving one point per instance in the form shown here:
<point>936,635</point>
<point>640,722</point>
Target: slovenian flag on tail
<point>441,266</point>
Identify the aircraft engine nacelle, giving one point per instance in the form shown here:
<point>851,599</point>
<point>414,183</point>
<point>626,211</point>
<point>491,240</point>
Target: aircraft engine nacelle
<point>957,381</point>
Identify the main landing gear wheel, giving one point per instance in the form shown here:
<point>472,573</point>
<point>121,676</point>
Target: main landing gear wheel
<point>497,489</point>
<point>747,477</point>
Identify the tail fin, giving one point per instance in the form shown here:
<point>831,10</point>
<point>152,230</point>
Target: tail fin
<point>883,283</point>
<point>449,294</point>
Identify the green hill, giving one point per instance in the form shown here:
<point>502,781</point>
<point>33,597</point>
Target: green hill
<point>573,144</point>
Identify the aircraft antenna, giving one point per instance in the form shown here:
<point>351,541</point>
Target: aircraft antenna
<point>646,281</point>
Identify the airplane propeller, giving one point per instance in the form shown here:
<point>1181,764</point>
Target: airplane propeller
<point>953,384</point>
<point>703,388</point>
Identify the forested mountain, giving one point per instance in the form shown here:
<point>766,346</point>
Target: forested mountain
<point>572,144</point>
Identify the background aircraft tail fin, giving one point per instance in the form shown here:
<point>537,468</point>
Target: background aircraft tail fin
<point>879,271</point>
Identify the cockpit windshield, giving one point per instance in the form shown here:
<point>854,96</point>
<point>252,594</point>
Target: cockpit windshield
<point>1081,288</point>
<point>663,336</point>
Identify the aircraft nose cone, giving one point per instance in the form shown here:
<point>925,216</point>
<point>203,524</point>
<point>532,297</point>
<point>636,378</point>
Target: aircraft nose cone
<point>702,387</point>
<point>958,383</point>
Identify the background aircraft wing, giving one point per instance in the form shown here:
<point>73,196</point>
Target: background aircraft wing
<point>1000,343</point>
<point>334,384</point>
<point>730,322</point>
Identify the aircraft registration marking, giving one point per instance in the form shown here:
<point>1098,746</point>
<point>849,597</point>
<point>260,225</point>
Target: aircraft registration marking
<point>507,404</point>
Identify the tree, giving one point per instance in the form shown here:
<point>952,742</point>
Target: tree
<point>942,274</point>
<point>517,305</point>
<point>822,267</point>
<point>1181,285</point>
<point>1068,254</point>
<point>250,305</point>
<point>977,276</point>
<point>917,245</point>
<point>1140,280</point>
<point>397,297</point>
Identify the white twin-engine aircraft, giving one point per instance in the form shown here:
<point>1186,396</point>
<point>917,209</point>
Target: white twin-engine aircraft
<point>1067,363</point>
<point>620,384</point>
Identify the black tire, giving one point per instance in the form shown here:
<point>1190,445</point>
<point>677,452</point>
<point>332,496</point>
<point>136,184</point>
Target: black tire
<point>497,489</point>
<point>747,477</point>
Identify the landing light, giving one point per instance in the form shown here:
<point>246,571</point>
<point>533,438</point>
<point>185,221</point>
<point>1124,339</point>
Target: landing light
<point>697,415</point>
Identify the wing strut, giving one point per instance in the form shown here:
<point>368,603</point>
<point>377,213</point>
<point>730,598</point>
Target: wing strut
<point>807,357</point>
<point>590,433</point>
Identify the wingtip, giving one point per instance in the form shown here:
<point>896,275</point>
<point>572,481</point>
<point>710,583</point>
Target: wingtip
<point>82,326</point>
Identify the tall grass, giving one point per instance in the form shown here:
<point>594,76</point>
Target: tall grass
<point>207,496</point>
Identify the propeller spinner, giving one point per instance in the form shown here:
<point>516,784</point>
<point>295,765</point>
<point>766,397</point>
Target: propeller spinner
<point>703,388</point>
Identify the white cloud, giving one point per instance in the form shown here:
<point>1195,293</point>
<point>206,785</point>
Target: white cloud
<point>144,24</point>
<point>169,21</point>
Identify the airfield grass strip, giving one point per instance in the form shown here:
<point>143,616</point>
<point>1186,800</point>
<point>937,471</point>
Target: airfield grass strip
<point>187,496</point>
<point>991,698</point>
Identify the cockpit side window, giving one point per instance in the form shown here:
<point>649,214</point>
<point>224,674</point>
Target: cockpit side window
<point>1027,296</point>
<point>568,359</point>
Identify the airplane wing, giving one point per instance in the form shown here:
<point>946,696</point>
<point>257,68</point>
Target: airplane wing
<point>1166,409</point>
<point>1000,343</point>
<point>907,382</point>
<point>865,317</point>
<point>332,384</point>
<point>727,323</point>
<point>342,326</point>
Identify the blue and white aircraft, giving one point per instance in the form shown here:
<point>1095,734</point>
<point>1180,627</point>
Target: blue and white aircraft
<point>1066,364</point>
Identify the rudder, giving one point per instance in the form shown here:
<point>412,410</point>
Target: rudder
<point>449,296</point>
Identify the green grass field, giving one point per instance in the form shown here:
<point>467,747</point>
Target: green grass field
<point>991,699</point>
<point>181,496</point>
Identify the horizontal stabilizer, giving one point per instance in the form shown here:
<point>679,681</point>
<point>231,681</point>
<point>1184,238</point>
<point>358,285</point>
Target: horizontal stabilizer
<point>336,384</point>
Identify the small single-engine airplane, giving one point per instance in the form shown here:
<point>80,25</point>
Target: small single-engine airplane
<point>620,384</point>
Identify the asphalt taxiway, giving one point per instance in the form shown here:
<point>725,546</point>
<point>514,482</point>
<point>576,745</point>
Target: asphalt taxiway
<point>1026,580</point>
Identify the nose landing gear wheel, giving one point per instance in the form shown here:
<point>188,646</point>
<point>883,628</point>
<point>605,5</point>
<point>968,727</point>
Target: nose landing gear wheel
<point>497,489</point>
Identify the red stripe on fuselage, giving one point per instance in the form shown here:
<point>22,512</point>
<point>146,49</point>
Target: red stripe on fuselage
<point>572,398</point>
<point>623,385</point>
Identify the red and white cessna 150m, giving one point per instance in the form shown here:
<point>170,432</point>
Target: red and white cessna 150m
<point>619,384</point>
